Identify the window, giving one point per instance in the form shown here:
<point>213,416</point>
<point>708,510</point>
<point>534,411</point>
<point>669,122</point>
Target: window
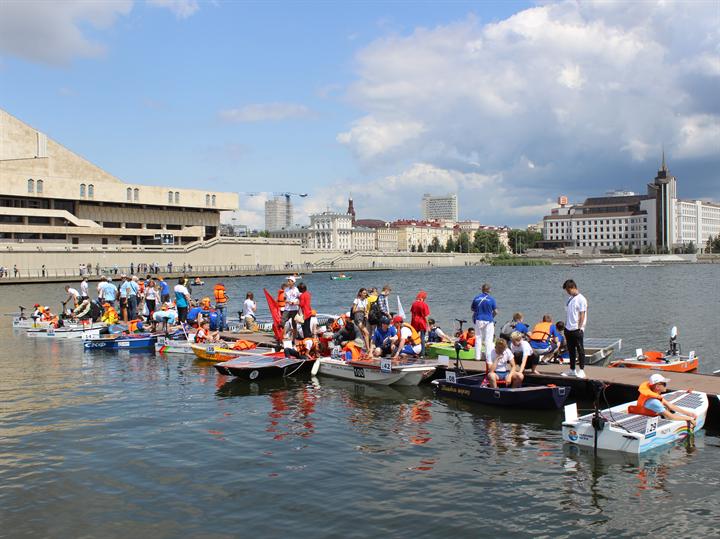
<point>153,226</point>
<point>170,197</point>
<point>129,194</point>
<point>39,186</point>
<point>136,194</point>
<point>34,220</point>
<point>173,227</point>
<point>31,185</point>
<point>177,197</point>
<point>82,190</point>
<point>91,191</point>
<point>207,200</point>
<point>213,200</point>
<point>133,225</point>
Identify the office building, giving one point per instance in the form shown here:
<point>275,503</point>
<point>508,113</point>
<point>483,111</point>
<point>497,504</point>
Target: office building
<point>278,213</point>
<point>440,207</point>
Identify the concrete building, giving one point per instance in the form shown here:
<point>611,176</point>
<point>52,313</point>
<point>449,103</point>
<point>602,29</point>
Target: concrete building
<point>363,239</point>
<point>420,234</point>
<point>48,194</point>
<point>301,234</point>
<point>697,221</point>
<point>440,207</point>
<point>278,213</point>
<point>664,190</point>
<point>330,231</point>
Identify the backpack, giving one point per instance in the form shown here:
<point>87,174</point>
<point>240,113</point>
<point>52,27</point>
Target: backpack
<point>375,314</point>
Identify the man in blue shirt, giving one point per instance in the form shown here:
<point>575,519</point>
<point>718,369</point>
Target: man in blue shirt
<point>383,338</point>
<point>484,309</point>
<point>164,290</point>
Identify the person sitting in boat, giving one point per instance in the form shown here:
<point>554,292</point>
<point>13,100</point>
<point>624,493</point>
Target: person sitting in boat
<point>466,339</point>
<point>110,315</point>
<point>501,366</point>
<point>198,282</point>
<point>435,333</point>
<point>516,324</point>
<point>409,342</point>
<point>651,402</point>
<point>339,323</point>
<point>347,333</point>
<point>205,334</point>
<point>383,338</point>
<point>305,348</point>
<point>524,355</point>
<point>37,312</point>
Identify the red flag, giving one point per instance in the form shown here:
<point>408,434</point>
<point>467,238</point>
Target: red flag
<point>275,313</point>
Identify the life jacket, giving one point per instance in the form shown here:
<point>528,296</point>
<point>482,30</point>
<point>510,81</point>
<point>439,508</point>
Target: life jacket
<point>433,335</point>
<point>354,350</point>
<point>302,348</point>
<point>415,336</point>
<point>470,340</point>
<point>339,323</point>
<point>201,336</point>
<point>110,316</point>
<point>133,325</point>
<point>541,331</point>
<point>281,299</point>
<point>220,296</point>
<point>241,344</point>
<point>645,394</point>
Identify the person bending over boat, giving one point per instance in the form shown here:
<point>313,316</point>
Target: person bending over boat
<point>110,315</point>
<point>652,402</point>
<point>516,324</point>
<point>383,338</point>
<point>348,332</point>
<point>501,366</point>
<point>435,333</point>
<point>524,355</point>
<point>87,310</point>
<point>409,342</point>
<point>305,348</point>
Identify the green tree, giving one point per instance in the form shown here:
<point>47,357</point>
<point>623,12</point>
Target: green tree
<point>463,243</point>
<point>522,240</point>
<point>488,241</point>
<point>450,245</point>
<point>434,246</point>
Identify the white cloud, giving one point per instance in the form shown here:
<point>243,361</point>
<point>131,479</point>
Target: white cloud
<point>55,32</point>
<point>569,88</point>
<point>261,112</point>
<point>182,9</point>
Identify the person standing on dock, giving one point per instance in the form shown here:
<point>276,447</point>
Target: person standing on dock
<point>419,312</point>
<point>182,299</point>
<point>576,319</point>
<point>484,308</point>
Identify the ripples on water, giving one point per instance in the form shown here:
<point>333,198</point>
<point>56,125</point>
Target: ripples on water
<point>134,445</point>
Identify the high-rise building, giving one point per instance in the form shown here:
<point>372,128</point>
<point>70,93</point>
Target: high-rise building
<point>664,190</point>
<point>440,207</point>
<point>278,213</point>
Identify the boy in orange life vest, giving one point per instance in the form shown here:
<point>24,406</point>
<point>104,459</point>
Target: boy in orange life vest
<point>467,339</point>
<point>221,299</point>
<point>204,334</point>
<point>651,401</point>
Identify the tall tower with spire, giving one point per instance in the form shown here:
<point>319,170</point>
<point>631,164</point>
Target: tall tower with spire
<point>664,189</point>
<point>351,209</point>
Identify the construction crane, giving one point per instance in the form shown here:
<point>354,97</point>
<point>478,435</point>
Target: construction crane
<point>288,206</point>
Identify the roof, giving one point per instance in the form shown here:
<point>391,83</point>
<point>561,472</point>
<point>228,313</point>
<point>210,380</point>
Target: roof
<point>615,201</point>
<point>370,223</point>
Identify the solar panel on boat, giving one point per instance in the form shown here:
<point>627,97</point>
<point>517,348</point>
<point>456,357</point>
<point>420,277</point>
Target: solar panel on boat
<point>688,400</point>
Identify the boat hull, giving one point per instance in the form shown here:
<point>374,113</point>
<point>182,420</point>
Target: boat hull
<point>681,365</point>
<point>530,397</point>
<point>435,350</point>
<point>262,367</point>
<point>404,374</point>
<point>144,342</point>
<point>632,433</point>
<point>172,346</point>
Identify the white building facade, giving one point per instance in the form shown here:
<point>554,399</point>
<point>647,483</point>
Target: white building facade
<point>697,221</point>
<point>363,239</point>
<point>331,231</point>
<point>440,207</point>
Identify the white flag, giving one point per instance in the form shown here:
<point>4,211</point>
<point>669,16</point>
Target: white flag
<point>400,310</point>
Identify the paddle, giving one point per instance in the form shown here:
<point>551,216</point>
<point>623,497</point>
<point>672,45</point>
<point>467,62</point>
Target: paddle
<point>315,367</point>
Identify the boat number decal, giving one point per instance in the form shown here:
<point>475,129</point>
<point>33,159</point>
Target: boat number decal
<point>561,391</point>
<point>51,332</point>
<point>386,365</point>
<point>253,375</point>
<point>124,343</point>
<point>161,341</point>
<point>359,372</point>
<point>210,349</point>
<point>451,377</point>
<point>651,427</point>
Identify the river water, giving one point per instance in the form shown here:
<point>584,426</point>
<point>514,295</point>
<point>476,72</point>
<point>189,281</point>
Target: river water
<point>136,445</point>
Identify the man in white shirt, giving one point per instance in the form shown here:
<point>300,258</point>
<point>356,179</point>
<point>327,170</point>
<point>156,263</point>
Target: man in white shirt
<point>292,304</point>
<point>84,292</point>
<point>72,295</point>
<point>576,318</point>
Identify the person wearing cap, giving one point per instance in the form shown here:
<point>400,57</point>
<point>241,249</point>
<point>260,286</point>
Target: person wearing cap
<point>576,319</point>
<point>383,338</point>
<point>484,310</point>
<point>651,400</point>
<point>292,305</point>
<point>419,312</point>
<point>408,339</point>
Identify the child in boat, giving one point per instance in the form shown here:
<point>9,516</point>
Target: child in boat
<point>204,334</point>
<point>467,339</point>
<point>435,333</point>
<point>501,366</point>
<point>383,339</point>
<point>652,402</point>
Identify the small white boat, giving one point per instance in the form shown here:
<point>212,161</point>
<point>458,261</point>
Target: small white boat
<point>174,346</point>
<point>382,371</point>
<point>76,332</point>
<point>631,432</point>
<point>27,323</point>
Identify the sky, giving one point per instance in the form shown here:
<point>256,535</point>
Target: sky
<point>509,104</point>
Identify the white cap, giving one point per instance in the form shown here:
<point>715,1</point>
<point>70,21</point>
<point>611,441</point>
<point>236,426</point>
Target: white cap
<point>291,278</point>
<point>658,379</point>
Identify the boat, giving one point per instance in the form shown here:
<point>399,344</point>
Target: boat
<point>165,345</point>
<point>670,361</point>
<point>256,367</point>
<point>139,341</point>
<point>436,349</point>
<point>382,371</point>
<point>341,277</point>
<point>622,429</point>
<point>218,352</point>
<point>597,351</point>
<point>78,332</point>
<point>474,388</point>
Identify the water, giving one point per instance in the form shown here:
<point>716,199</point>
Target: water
<point>134,445</point>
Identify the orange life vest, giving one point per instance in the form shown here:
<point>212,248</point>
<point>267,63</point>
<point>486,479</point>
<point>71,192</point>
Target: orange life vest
<point>541,331</point>
<point>339,323</point>
<point>645,394</point>
<point>220,296</point>
<point>415,337</point>
<point>241,344</point>
<point>303,349</point>
<point>201,336</point>
<point>133,325</point>
<point>470,340</point>
<point>354,350</point>
<point>281,299</point>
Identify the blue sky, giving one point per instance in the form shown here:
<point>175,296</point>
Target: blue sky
<point>507,103</point>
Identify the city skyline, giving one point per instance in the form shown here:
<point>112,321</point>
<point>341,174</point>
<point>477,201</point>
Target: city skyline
<point>507,104</point>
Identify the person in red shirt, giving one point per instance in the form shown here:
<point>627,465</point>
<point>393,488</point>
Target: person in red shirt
<point>305,309</point>
<point>419,312</point>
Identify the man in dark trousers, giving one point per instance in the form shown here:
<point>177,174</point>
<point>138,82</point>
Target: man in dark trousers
<point>576,310</point>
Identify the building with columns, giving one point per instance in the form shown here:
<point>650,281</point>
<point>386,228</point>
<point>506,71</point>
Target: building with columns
<point>331,231</point>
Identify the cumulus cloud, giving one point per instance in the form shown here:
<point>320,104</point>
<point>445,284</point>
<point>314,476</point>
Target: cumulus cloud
<point>261,112</point>
<point>547,101</point>
<point>56,32</point>
<point>182,9</point>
